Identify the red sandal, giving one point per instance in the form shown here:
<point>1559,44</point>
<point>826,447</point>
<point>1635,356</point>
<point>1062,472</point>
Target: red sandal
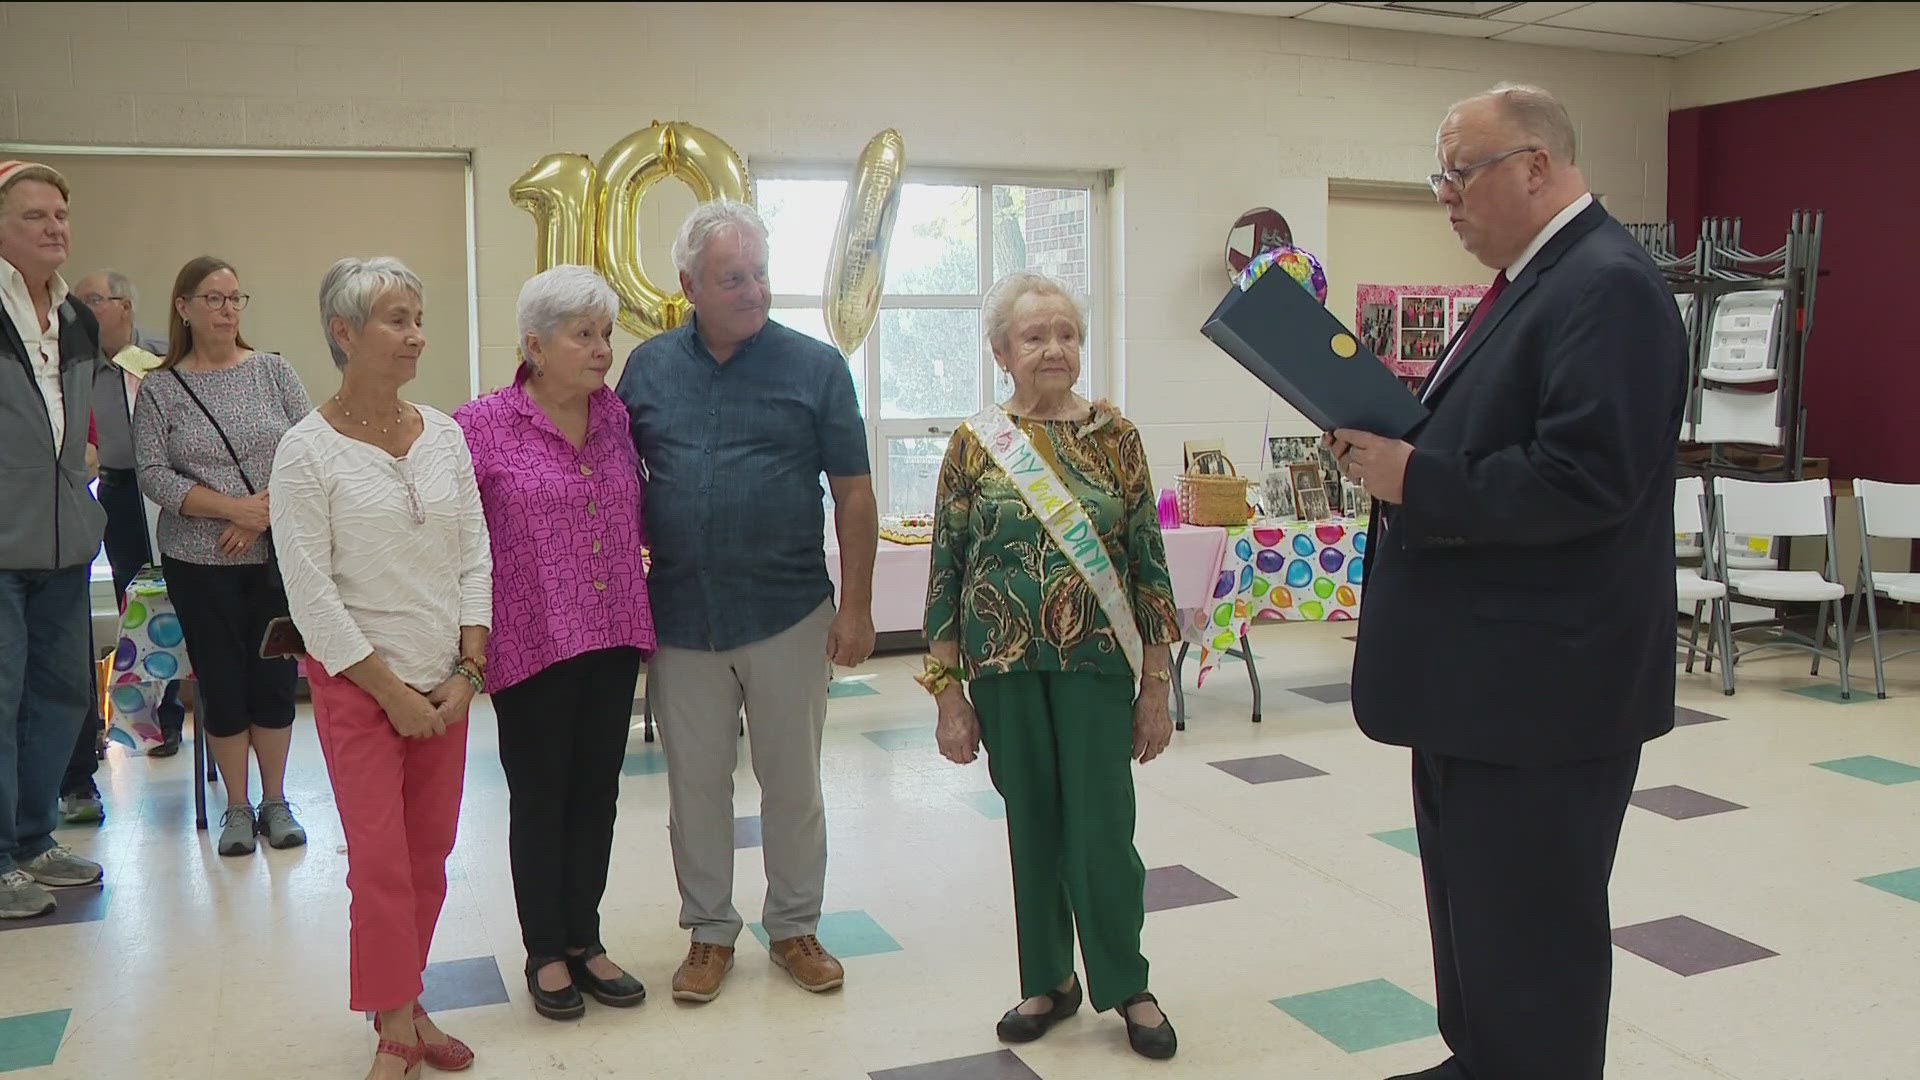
<point>410,1054</point>
<point>450,1056</point>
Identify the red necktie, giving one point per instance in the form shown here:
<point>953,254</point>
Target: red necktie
<point>1479,312</point>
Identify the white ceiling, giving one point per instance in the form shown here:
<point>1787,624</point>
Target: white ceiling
<point>1647,29</point>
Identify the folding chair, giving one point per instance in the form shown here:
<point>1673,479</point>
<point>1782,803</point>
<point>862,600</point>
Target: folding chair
<point>1702,586</point>
<point>1793,508</point>
<point>1895,510</point>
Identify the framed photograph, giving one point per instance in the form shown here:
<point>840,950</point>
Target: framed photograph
<point>1463,308</point>
<point>1376,328</point>
<point>1276,494</point>
<point>1205,457</point>
<point>1309,491</point>
<point>1285,450</point>
<point>1422,344</point>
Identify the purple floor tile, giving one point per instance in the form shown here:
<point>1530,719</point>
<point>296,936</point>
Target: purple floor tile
<point>746,832</point>
<point>1330,694</point>
<point>1681,803</point>
<point>999,1065</point>
<point>1686,946</point>
<point>462,984</point>
<point>1177,887</point>
<point>1683,717</point>
<point>82,905</point>
<point>1267,769</point>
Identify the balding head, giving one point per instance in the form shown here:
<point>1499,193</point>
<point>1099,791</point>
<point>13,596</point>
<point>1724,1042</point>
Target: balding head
<point>1506,157</point>
<point>109,294</point>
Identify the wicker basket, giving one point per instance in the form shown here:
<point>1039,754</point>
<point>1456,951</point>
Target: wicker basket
<point>1214,500</point>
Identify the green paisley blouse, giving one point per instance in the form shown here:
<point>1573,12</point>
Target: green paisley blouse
<point>1006,593</point>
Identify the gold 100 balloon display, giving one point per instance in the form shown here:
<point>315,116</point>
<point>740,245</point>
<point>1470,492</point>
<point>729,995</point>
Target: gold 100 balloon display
<point>589,215</point>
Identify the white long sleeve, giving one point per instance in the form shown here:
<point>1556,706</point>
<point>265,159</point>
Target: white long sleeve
<point>381,555</point>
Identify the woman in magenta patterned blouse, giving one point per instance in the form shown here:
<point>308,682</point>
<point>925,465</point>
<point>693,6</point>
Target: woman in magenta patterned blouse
<point>560,483</point>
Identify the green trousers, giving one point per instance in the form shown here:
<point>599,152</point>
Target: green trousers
<point>1059,747</point>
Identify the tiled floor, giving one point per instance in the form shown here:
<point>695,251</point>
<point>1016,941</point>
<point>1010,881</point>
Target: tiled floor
<point>1765,903</point>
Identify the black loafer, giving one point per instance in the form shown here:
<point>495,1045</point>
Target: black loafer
<point>1019,1027</point>
<point>1157,1043</point>
<point>562,1004</point>
<point>623,992</point>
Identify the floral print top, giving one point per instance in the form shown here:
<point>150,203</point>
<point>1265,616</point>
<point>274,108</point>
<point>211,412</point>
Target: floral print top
<point>1006,593</point>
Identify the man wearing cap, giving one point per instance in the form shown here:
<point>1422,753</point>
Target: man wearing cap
<point>48,537</point>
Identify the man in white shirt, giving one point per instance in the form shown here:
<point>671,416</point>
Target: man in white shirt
<point>48,538</point>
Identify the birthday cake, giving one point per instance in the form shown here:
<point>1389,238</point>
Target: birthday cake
<point>910,529</point>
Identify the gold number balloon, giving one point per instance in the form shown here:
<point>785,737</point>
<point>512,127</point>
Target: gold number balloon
<point>590,216</point>
<point>857,265</point>
<point>629,169</point>
<point>558,192</point>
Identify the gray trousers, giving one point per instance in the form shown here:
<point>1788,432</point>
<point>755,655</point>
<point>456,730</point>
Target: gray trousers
<point>697,696</point>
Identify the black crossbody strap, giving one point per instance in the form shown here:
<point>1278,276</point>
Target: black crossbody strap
<point>217,429</point>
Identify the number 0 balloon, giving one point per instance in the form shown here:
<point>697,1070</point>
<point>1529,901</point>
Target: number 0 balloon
<point>857,265</point>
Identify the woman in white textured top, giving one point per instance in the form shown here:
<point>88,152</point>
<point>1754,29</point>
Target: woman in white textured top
<point>383,545</point>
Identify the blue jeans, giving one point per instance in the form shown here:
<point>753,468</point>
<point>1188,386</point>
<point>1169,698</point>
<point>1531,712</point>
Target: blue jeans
<point>43,700</point>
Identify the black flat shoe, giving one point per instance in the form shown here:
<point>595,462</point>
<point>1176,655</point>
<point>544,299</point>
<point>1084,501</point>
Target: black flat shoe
<point>1157,1043</point>
<point>1019,1027</point>
<point>623,992</point>
<point>562,1004</point>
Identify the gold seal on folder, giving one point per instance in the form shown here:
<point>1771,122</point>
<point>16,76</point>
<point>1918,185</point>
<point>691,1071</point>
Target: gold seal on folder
<point>1343,346</point>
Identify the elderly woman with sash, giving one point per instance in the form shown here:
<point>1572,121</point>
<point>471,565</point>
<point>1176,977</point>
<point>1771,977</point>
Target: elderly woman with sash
<point>1049,599</point>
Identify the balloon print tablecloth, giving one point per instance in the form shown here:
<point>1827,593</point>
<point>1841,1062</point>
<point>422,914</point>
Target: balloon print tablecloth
<point>1302,572</point>
<point>152,652</point>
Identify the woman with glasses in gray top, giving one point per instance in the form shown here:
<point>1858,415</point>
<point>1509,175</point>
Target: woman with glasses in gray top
<point>205,426</point>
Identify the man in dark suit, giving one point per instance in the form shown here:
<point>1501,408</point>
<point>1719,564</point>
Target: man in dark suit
<point>1517,625</point>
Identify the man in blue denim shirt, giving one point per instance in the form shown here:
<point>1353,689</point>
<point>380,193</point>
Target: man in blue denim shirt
<point>736,417</point>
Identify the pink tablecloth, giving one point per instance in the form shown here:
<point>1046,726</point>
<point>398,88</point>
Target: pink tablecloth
<point>900,575</point>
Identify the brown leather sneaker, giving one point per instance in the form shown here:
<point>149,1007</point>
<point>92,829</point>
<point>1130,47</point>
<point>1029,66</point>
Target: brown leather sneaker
<point>811,965</point>
<point>701,972</point>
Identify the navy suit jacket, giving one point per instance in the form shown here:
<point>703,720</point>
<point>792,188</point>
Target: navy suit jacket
<point>1519,606</point>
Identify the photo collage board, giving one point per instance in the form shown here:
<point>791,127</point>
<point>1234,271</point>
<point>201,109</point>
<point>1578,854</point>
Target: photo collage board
<point>1408,326</point>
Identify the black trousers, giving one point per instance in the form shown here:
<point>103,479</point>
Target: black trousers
<point>127,553</point>
<point>224,612</point>
<point>1516,862</point>
<point>563,738</point>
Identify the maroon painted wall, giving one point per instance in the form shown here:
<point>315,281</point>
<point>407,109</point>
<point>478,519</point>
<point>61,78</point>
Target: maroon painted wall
<point>1852,150</point>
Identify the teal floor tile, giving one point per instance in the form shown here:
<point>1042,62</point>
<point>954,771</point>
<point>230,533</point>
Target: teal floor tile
<point>1869,767</point>
<point>1829,692</point>
<point>839,689</point>
<point>646,762</point>
<point>1901,883</point>
<point>33,1040</point>
<point>988,803</point>
<point>1407,840</point>
<point>917,737</point>
<point>1364,1016</point>
<point>846,934</point>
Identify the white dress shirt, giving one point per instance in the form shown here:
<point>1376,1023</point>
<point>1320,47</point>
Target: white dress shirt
<point>1514,270</point>
<point>43,342</point>
<point>382,556</point>
<point>1571,211</point>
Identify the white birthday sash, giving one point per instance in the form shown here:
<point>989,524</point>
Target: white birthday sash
<point>1063,518</point>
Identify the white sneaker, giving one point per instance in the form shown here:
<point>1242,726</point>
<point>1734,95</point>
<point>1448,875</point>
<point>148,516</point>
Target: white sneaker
<point>61,868</point>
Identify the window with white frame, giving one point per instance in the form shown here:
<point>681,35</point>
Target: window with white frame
<point>926,367</point>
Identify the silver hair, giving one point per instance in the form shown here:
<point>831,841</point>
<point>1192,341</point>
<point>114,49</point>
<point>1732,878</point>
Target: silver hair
<point>1536,112</point>
<point>710,220</point>
<point>353,286</point>
<point>120,287</point>
<point>557,295</point>
<point>996,314</point>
